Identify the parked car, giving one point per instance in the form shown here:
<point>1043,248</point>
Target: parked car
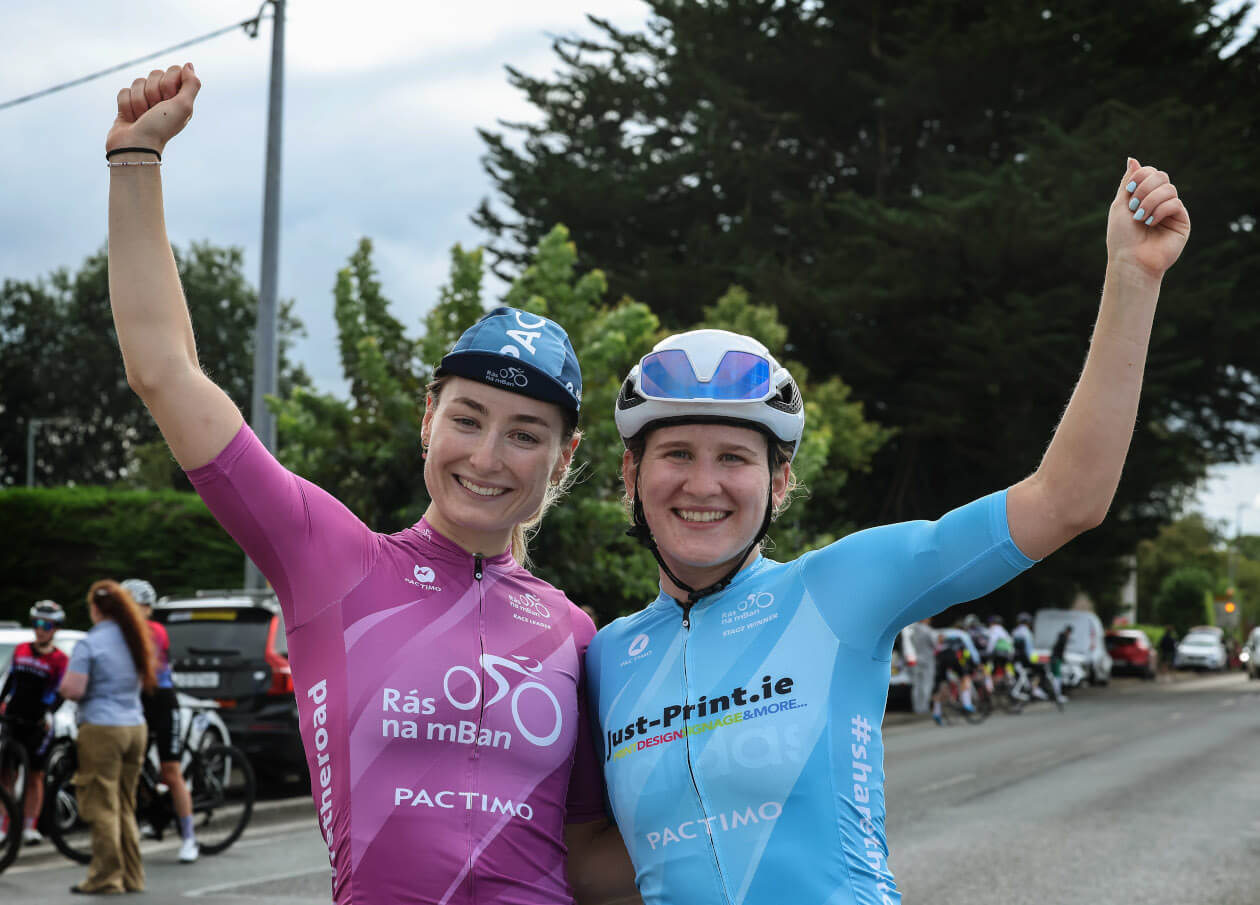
<point>230,647</point>
<point>899,681</point>
<point>1250,654</point>
<point>1132,652</point>
<point>1200,649</point>
<point>1086,657</point>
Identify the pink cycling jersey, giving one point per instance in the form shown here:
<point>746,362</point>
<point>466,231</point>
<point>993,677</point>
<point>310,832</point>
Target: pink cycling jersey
<point>440,695</point>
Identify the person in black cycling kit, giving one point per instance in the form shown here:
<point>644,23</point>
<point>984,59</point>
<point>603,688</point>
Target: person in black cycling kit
<point>161,712</point>
<point>28,698</point>
<point>1056,659</point>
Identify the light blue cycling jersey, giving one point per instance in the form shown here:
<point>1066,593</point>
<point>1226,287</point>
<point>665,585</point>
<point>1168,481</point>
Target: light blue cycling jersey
<point>741,742</point>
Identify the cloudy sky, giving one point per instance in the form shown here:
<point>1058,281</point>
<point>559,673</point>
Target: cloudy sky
<point>381,105</point>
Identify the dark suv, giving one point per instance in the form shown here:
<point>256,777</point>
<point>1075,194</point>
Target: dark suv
<point>229,646</point>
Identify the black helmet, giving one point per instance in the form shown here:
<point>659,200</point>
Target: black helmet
<point>50,610</point>
<point>1024,618</point>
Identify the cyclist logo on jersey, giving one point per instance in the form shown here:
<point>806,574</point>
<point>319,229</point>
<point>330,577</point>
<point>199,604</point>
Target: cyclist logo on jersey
<point>638,645</point>
<point>530,609</point>
<point>751,607</point>
<point>465,698</point>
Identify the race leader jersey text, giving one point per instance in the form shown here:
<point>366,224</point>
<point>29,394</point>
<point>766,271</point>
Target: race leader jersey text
<point>30,689</point>
<point>741,744</point>
<point>439,695</point>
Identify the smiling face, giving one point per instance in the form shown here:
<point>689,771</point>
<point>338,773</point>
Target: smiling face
<point>491,456</point>
<point>703,489</point>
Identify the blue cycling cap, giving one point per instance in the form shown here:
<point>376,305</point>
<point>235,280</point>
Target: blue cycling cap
<point>521,352</point>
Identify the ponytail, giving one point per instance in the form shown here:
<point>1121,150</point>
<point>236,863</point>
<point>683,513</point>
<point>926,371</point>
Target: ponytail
<point>115,603</point>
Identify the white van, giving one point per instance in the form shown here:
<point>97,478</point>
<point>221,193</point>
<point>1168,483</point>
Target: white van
<point>1086,646</point>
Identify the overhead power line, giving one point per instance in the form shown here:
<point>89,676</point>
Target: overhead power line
<point>250,26</point>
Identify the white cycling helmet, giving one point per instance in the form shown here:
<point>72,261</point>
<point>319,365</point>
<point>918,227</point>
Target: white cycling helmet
<point>711,376</point>
<point>50,610</point>
<point>141,591</point>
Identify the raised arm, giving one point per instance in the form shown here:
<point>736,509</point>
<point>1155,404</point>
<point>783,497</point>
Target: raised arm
<point>154,331</point>
<point>1071,491</point>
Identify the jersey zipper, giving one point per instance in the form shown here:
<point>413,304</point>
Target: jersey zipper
<point>686,623</point>
<point>478,572</point>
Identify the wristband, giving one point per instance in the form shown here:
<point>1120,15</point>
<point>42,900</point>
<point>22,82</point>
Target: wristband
<point>109,154</point>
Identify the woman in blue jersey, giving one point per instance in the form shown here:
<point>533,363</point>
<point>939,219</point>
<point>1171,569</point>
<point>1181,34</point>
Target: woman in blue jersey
<point>739,712</point>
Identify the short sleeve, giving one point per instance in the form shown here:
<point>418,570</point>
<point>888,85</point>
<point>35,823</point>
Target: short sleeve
<point>871,584</point>
<point>310,547</point>
<point>81,657</point>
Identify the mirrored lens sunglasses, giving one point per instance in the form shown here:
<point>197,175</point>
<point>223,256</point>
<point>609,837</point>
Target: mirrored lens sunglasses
<point>741,377</point>
<point>44,625</point>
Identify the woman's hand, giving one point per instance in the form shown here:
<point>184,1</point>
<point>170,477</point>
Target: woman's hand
<point>1147,225</point>
<point>154,110</point>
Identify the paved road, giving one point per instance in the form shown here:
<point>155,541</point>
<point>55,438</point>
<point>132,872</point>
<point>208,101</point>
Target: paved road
<point>1137,793</point>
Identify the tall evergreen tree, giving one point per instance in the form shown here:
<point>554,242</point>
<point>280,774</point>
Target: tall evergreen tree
<point>921,188</point>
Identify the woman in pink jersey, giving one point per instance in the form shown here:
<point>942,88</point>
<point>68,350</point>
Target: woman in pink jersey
<point>439,683</point>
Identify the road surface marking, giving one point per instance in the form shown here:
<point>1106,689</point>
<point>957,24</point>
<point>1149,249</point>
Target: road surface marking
<point>946,783</point>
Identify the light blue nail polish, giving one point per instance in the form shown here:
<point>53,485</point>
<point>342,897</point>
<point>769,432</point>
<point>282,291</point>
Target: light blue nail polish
<point>1132,186</point>
<point>1133,204</point>
<point>1140,214</point>
<point>1150,220</point>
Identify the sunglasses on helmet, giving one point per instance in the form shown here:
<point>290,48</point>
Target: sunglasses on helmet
<point>740,377</point>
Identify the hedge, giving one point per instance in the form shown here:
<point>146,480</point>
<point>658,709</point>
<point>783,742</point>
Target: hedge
<point>54,542</point>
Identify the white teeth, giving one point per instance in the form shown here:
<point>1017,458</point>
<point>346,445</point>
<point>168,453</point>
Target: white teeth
<point>689,515</point>
<point>479,489</point>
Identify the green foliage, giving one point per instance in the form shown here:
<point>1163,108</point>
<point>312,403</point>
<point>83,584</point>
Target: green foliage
<point>364,451</point>
<point>1191,541</point>
<point>59,540</point>
<point>920,189</point>
<point>59,360</point>
<point>1183,598</point>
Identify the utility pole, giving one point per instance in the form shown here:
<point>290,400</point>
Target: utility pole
<point>266,342</point>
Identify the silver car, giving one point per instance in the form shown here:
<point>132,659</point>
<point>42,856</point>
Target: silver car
<point>1200,650</point>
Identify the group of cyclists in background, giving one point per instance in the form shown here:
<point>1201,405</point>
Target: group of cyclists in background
<point>976,667</point>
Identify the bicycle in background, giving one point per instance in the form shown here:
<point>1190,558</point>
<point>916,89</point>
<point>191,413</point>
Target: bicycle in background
<point>219,779</point>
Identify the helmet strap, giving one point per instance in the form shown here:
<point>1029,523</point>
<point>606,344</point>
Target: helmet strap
<point>642,532</point>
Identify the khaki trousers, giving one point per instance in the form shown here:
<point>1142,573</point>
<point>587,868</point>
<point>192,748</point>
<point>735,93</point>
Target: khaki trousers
<point>110,758</point>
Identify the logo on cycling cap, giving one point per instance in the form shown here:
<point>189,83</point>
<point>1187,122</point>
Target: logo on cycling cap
<point>512,378</point>
<point>638,645</point>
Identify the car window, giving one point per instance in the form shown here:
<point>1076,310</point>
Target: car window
<point>217,633</point>
<point>1114,641</point>
<point>1201,638</point>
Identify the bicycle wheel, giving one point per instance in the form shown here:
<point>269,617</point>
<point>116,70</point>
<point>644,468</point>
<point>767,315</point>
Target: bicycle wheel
<point>15,766</point>
<point>11,819</point>
<point>71,836</point>
<point>221,783</point>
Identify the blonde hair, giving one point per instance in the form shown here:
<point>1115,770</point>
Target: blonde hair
<point>523,532</point>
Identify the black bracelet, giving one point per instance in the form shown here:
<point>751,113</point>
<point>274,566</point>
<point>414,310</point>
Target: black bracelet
<point>109,154</point>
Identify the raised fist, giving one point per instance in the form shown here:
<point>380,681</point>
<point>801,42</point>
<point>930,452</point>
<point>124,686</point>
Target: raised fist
<point>154,110</point>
